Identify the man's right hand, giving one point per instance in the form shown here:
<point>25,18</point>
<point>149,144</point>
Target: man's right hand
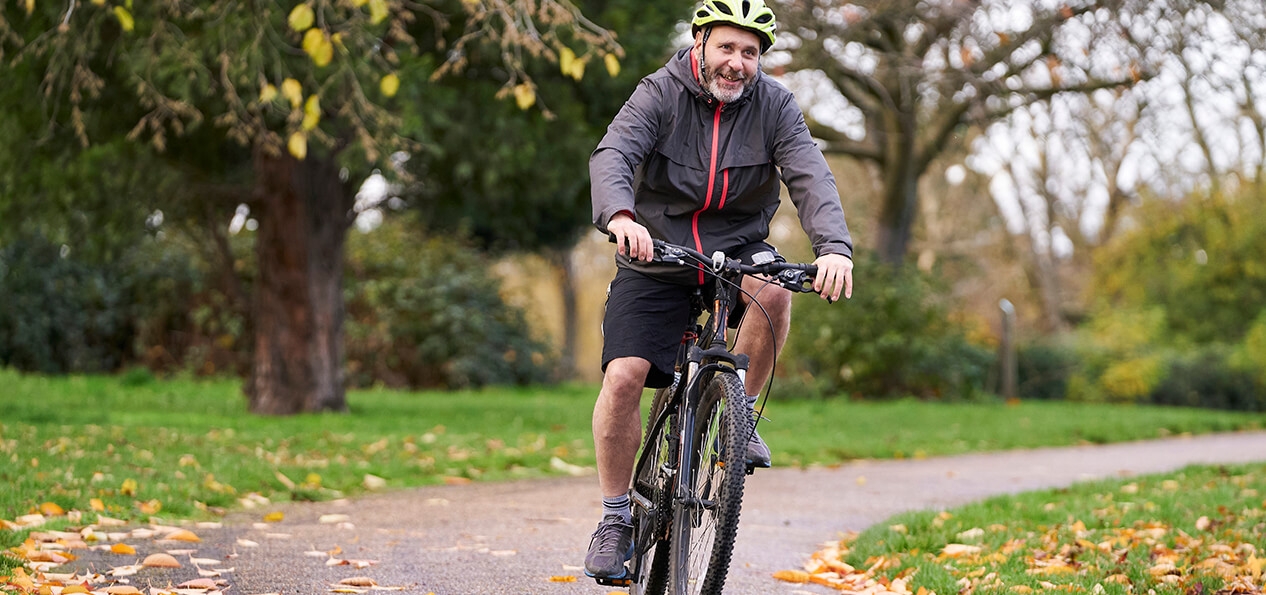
<point>632,239</point>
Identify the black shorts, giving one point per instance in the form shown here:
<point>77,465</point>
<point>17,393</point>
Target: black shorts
<point>647,317</point>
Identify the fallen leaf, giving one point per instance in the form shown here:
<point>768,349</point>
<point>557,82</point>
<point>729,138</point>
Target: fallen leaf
<point>792,576</point>
<point>123,549</point>
<point>160,561</point>
<point>51,509</point>
<point>198,583</point>
<point>247,543</point>
<point>562,579</point>
<point>274,517</point>
<point>329,519</point>
<point>184,535</point>
<point>955,550</point>
<point>121,590</point>
<point>204,561</point>
<point>358,581</point>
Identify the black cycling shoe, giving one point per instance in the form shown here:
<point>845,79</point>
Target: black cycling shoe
<point>610,547</point>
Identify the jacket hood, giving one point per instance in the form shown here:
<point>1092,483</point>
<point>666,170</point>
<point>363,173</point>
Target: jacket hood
<point>681,69</point>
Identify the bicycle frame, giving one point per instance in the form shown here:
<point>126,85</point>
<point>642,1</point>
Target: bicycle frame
<point>666,505</point>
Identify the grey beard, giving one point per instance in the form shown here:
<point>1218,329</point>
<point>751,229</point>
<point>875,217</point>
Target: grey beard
<point>712,87</point>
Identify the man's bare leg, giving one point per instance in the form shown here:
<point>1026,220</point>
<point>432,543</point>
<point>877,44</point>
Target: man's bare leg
<point>617,430</point>
<point>617,423</point>
<point>754,336</point>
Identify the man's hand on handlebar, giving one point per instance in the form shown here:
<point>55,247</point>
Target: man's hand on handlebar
<point>835,275</point>
<point>631,238</point>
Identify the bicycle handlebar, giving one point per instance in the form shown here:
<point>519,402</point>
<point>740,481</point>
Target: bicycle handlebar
<point>796,277</point>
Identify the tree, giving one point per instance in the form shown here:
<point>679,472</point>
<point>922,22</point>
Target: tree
<point>914,74</point>
<point>278,105</point>
<point>520,184</point>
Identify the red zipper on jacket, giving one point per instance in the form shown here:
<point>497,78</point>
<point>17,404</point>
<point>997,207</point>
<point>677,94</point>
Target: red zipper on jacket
<point>712,177</point>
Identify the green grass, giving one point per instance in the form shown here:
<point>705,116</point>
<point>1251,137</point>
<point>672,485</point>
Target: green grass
<point>1200,527</point>
<point>189,447</point>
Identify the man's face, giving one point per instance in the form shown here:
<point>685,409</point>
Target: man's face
<point>729,61</point>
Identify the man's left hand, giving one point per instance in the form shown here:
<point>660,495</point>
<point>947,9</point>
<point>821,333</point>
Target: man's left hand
<point>835,275</point>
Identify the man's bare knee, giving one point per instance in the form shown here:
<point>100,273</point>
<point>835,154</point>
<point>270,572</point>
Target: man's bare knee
<point>625,377</point>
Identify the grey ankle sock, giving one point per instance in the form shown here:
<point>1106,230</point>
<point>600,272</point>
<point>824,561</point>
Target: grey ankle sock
<point>618,506</point>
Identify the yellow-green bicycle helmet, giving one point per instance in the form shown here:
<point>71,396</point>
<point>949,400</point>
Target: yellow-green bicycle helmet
<point>752,15</point>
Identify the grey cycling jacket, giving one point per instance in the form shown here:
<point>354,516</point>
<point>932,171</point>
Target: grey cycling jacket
<point>704,174</point>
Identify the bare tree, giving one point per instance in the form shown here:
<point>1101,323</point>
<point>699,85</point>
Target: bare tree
<point>917,74</point>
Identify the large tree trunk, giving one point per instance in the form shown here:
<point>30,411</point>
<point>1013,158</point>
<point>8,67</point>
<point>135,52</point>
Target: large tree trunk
<point>562,261</point>
<point>298,300</point>
<point>896,215</point>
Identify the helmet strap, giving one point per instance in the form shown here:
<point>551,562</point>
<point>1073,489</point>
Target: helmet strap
<point>703,46</point>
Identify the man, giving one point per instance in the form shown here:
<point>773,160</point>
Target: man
<point>694,158</point>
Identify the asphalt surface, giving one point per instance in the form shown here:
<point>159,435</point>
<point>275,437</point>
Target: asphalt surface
<point>513,538</point>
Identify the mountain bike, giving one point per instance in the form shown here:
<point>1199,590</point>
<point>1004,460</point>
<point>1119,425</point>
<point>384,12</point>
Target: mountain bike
<point>688,480</point>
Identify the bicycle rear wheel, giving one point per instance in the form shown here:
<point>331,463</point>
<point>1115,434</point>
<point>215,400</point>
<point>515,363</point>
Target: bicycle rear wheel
<point>705,521</point>
<point>653,482</point>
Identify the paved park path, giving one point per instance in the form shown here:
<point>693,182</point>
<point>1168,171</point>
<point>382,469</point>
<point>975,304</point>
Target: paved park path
<point>511,538</point>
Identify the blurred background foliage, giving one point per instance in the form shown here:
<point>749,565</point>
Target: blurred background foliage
<point>1178,312</point>
<point>104,268</point>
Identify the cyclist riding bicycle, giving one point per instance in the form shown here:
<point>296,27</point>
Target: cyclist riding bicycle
<point>694,158</point>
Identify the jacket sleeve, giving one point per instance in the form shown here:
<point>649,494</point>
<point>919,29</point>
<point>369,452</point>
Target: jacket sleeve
<point>810,182</point>
<point>629,139</point>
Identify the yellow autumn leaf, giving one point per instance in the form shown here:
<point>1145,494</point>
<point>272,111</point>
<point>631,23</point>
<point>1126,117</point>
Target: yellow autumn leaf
<point>378,11</point>
<point>389,85</point>
<point>613,65</point>
<point>151,507</point>
<point>578,69</point>
<point>293,91</point>
<point>125,18</point>
<point>122,549</point>
<point>562,579</point>
<point>30,7</point>
<point>184,535</point>
<point>317,44</point>
<point>71,589</point>
<point>97,505</point>
<point>274,517</point>
<point>160,561</point>
<point>98,2</point>
<point>524,96</point>
<point>359,3</point>
<point>129,487</point>
<point>301,18</point>
<point>313,479</point>
<point>311,117</point>
<point>298,145</point>
<point>267,94</point>
<point>51,509</point>
<point>792,576</point>
<point>565,59</point>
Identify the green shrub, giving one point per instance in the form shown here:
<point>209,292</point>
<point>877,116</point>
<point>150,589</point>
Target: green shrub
<point>1206,377</point>
<point>60,314</point>
<point>429,314</point>
<point>893,338</point>
<point>1043,370</point>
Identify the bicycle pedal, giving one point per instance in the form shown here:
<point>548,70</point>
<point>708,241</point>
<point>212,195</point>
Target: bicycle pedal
<point>623,581</point>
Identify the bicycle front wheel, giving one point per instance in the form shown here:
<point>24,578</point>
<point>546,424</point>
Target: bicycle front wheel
<point>705,520</point>
<point>653,483</point>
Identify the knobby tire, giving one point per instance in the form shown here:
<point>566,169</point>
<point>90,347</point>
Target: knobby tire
<point>651,533</point>
<point>703,535</point>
